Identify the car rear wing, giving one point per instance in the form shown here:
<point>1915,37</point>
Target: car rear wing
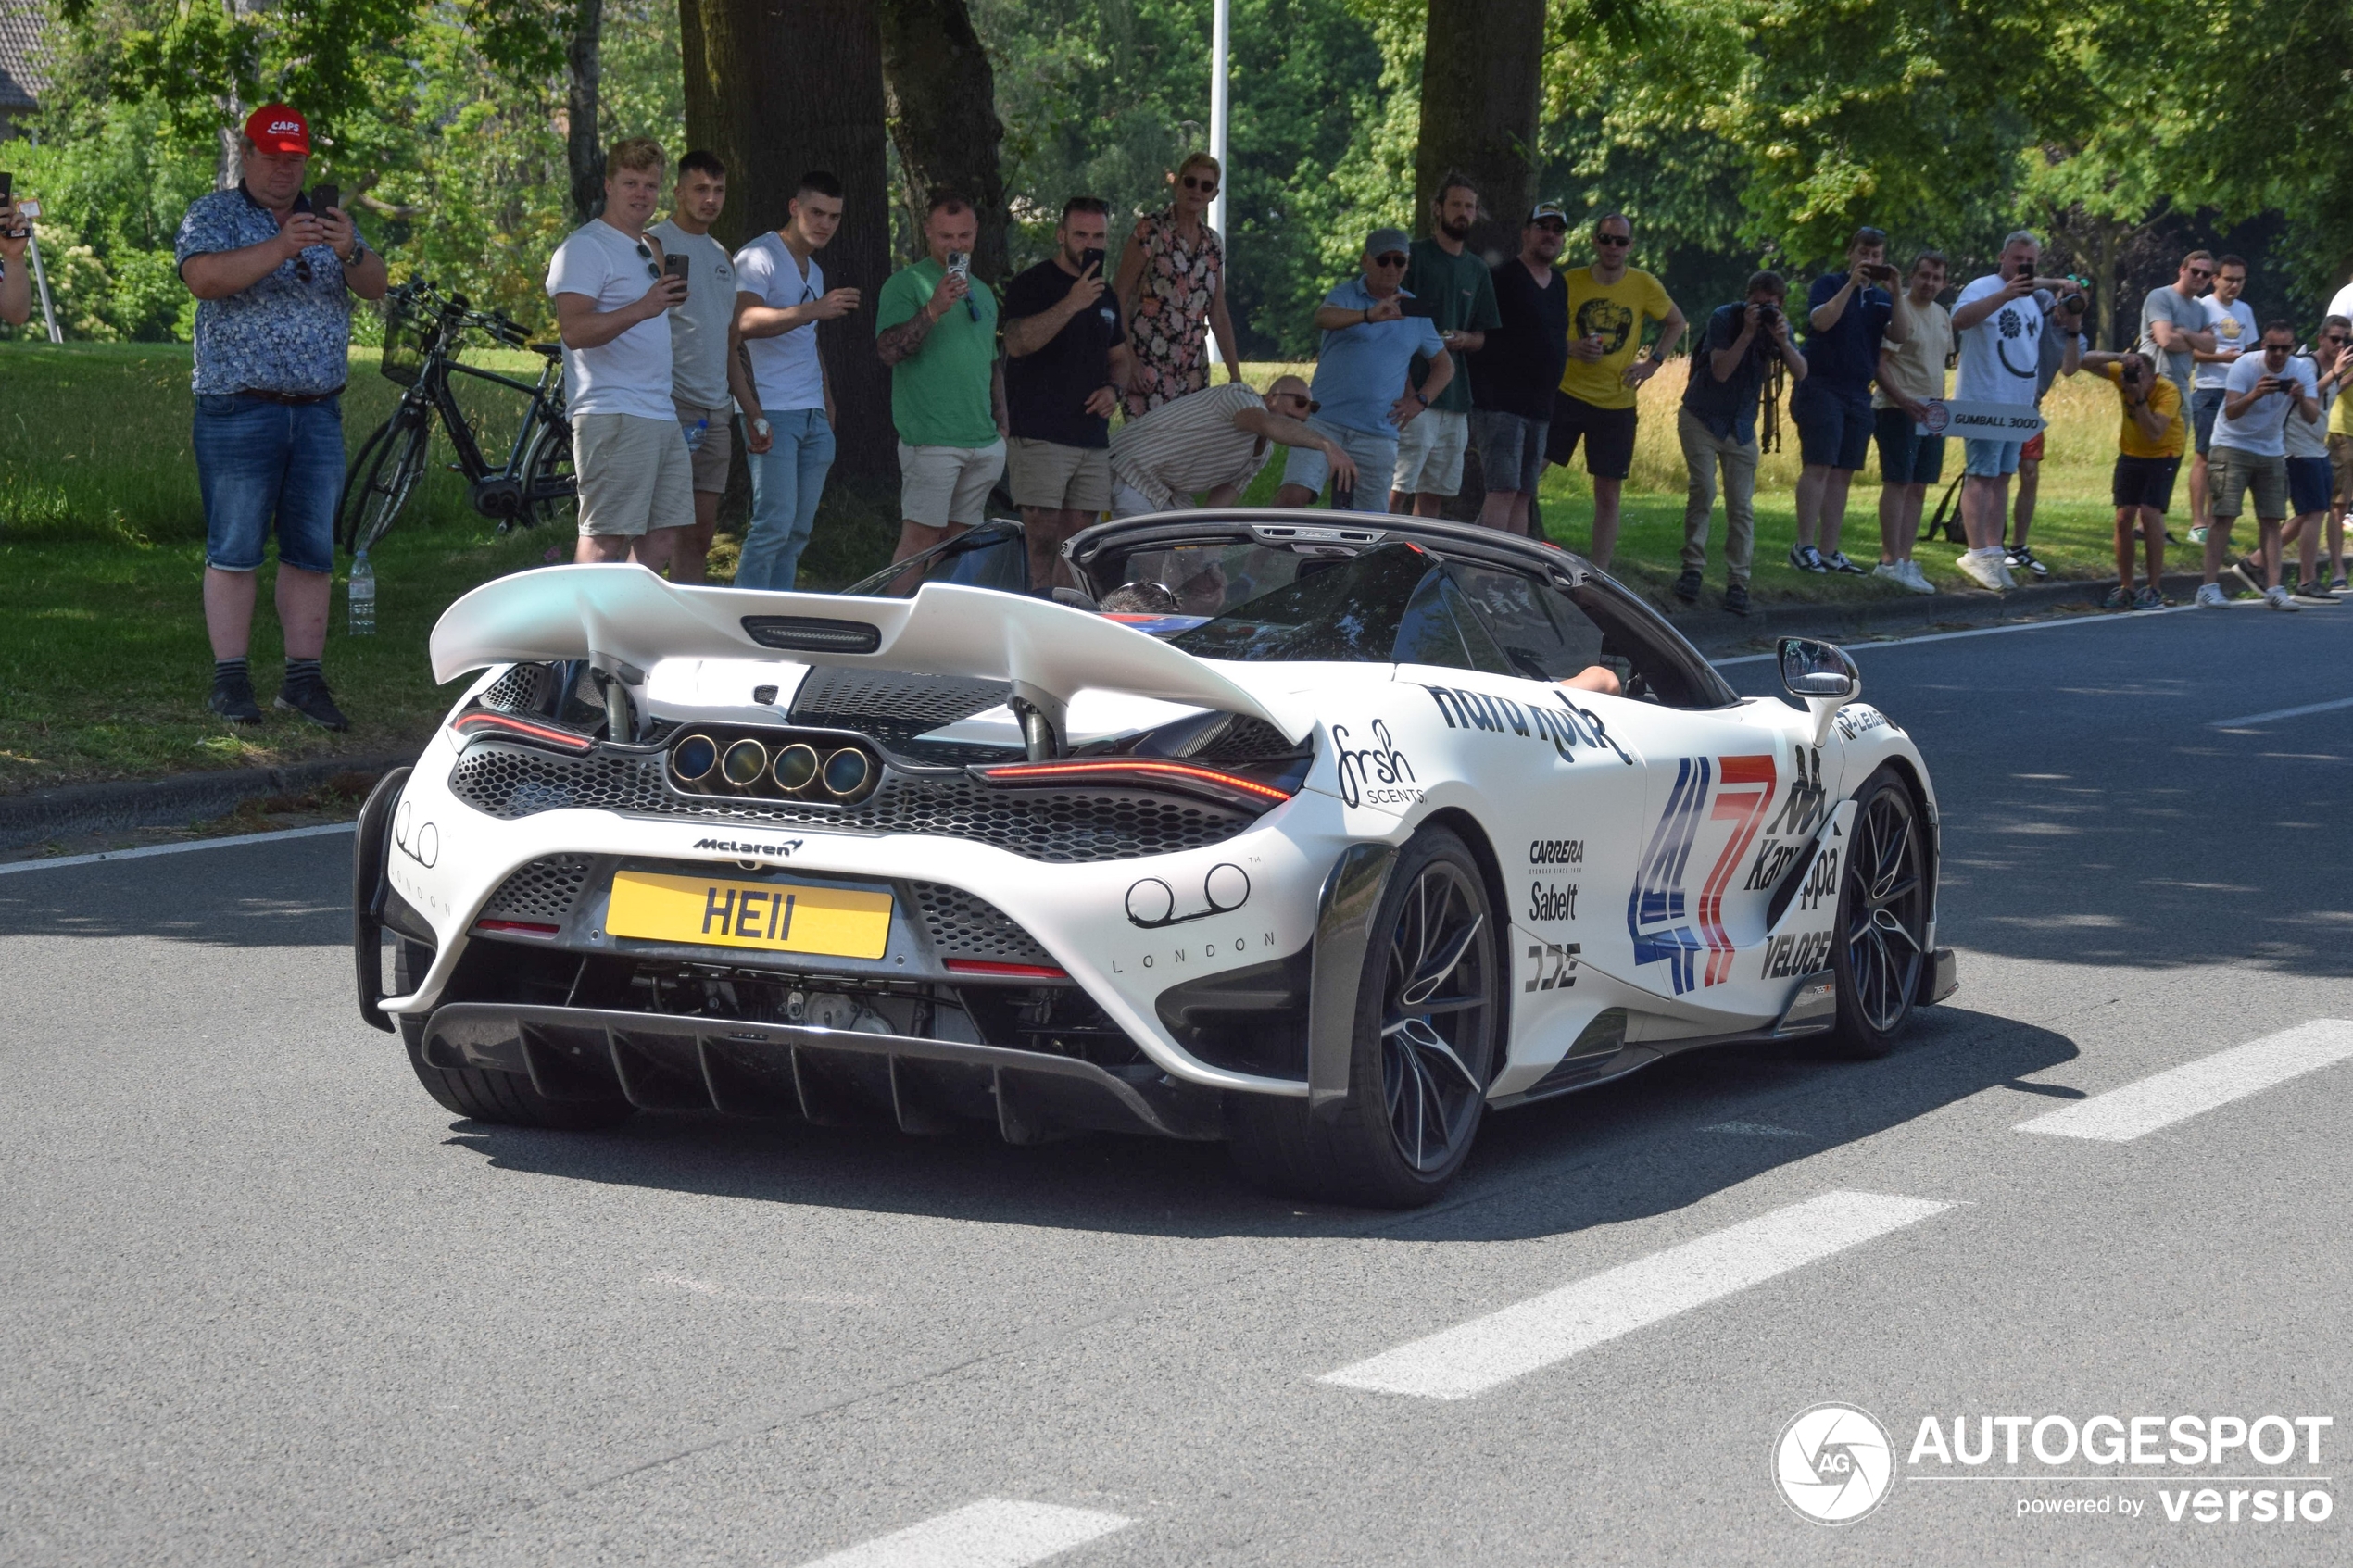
<point>625,620</point>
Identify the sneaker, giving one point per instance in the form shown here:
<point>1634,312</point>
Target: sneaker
<point>1893,570</point>
<point>1914,578</point>
<point>2312,593</point>
<point>1688,585</point>
<point>2339,585</point>
<point>2002,567</point>
<point>2023,559</point>
<point>2248,570</point>
<point>311,699</point>
<point>2119,598</point>
<point>2148,598</point>
<point>2197,535</point>
<point>2210,596</point>
<point>232,699</point>
<point>1736,598</point>
<point>1983,568</point>
<point>2276,598</point>
<point>1806,557</point>
<point>1836,561</point>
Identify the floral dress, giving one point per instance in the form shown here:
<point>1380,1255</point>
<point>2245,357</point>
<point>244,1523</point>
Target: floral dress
<point>1168,335</point>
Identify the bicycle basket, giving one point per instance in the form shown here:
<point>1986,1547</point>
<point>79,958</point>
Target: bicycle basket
<point>405,330</point>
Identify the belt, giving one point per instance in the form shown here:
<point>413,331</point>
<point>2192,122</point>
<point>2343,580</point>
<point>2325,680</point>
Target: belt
<point>293,398</point>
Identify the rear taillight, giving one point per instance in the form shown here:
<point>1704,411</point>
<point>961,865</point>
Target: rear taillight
<point>1006,970</point>
<point>1145,773</point>
<point>516,928</point>
<point>538,732</point>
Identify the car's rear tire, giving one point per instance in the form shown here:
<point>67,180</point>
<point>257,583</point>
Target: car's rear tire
<point>1878,946</point>
<point>1428,1028</point>
<point>487,1094</point>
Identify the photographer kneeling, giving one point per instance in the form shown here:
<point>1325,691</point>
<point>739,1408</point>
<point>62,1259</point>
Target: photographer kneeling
<point>1717,424</point>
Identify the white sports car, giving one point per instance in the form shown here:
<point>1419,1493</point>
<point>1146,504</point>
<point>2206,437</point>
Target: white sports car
<point>1320,834</point>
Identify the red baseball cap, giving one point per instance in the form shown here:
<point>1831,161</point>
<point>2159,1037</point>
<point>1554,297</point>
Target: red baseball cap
<point>274,128</point>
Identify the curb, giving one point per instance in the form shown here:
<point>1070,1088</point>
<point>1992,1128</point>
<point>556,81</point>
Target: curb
<point>1716,632</point>
<point>129,803</point>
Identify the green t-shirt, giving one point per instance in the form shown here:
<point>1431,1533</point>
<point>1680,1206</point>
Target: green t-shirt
<point>1461,295</point>
<point>939,395</point>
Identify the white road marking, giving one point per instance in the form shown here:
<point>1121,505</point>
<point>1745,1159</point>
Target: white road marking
<point>992,1532</point>
<point>2179,1093</point>
<point>143,853</point>
<point>1492,1350</point>
<point>2102,619</point>
<point>2282,713</point>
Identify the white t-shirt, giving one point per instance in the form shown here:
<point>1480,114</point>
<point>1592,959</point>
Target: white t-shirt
<point>2002,356</point>
<point>2233,327</point>
<point>631,374</point>
<point>784,368</point>
<point>2258,431</point>
<point>2308,440</point>
<point>699,328</point>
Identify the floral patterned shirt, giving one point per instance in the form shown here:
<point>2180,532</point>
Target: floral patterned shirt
<point>290,332</point>
<point>1171,326</point>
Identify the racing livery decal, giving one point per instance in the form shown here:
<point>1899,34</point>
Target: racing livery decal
<point>1655,912</point>
<point>1476,710</point>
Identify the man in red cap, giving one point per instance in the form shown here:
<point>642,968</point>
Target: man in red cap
<point>273,278</point>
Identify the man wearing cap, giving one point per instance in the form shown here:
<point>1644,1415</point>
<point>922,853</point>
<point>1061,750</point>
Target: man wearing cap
<point>1362,369</point>
<point>273,279</point>
<point>1516,368</point>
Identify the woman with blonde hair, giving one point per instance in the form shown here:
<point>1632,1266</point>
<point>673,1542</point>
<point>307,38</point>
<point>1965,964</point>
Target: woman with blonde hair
<point>1172,286</point>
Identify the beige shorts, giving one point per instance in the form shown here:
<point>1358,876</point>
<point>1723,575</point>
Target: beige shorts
<point>635,474</point>
<point>1429,454</point>
<point>2341,464</point>
<point>939,485</point>
<point>1064,479</point>
<point>2231,474</point>
<point>715,451</point>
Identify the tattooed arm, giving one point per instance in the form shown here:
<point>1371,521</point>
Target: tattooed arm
<point>905,339</point>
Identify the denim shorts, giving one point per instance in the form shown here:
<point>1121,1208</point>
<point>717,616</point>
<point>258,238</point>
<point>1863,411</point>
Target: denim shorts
<point>1511,449</point>
<point>1906,457</point>
<point>2307,485</point>
<point>2205,404</point>
<point>1989,459</point>
<point>1375,455</point>
<point>260,463</point>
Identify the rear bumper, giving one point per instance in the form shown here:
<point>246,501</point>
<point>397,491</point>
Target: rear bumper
<point>666,1063</point>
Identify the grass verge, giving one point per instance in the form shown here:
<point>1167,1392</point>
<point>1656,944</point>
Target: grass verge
<point>102,646</point>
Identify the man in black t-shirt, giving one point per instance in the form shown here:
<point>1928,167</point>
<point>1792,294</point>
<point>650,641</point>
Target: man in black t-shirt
<point>1066,366</point>
<point>1515,371</point>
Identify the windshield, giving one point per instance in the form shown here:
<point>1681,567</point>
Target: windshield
<point>1396,604</point>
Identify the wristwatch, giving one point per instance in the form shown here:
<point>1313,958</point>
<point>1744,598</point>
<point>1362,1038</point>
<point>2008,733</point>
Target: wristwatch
<point>1420,397</point>
<point>358,252</point>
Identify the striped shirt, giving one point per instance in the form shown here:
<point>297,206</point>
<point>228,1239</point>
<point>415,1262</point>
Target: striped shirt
<point>1184,448</point>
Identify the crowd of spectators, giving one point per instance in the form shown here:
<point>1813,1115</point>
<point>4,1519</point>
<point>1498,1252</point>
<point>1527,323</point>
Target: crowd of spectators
<point>674,350</point>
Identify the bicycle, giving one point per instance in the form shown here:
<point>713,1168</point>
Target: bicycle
<point>424,332</point>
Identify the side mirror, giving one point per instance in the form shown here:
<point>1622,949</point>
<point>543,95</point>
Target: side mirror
<point>1820,675</point>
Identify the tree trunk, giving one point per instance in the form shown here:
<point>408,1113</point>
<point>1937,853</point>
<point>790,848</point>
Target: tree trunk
<point>584,150</point>
<point>2109,232</point>
<point>942,99</point>
<point>776,87</point>
<point>1482,72</point>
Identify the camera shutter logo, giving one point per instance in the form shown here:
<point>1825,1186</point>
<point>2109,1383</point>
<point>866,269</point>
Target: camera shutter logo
<point>1835,1464</point>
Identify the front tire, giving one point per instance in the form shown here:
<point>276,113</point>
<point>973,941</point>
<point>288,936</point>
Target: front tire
<point>1879,945</point>
<point>1428,1031</point>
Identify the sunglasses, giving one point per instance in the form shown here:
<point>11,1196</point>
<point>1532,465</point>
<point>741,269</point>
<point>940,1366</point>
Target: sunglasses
<point>1206,187</point>
<point>652,270</point>
<point>1553,226</point>
<point>2199,272</point>
<point>2332,337</point>
<point>1613,240</point>
<point>1391,259</point>
<point>1301,399</point>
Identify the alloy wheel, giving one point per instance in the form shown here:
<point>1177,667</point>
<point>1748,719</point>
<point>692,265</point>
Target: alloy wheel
<point>1885,904</point>
<point>1437,1016</point>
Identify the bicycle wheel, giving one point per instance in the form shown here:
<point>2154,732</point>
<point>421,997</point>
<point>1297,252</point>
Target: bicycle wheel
<point>552,491</point>
<point>391,477</point>
<point>346,508</point>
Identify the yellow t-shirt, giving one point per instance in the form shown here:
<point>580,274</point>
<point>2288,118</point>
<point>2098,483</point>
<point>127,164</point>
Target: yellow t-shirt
<point>1615,311</point>
<point>2341,415</point>
<point>2165,398</point>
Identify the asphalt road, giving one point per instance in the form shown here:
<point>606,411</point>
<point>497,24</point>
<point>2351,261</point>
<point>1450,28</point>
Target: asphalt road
<point>261,1300</point>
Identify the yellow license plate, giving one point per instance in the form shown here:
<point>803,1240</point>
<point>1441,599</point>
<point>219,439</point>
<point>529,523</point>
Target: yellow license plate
<point>780,917</point>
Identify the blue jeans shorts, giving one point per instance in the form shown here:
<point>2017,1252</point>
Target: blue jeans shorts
<point>260,464</point>
<point>2206,405</point>
<point>1834,425</point>
<point>1989,459</point>
<point>1376,457</point>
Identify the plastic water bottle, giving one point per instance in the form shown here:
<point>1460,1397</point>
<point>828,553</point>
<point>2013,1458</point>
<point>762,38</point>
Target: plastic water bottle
<point>695,432</point>
<point>363,596</point>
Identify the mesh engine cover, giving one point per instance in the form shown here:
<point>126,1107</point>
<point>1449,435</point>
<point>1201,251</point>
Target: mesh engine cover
<point>509,781</point>
<point>965,925</point>
<point>892,706</point>
<point>545,890</point>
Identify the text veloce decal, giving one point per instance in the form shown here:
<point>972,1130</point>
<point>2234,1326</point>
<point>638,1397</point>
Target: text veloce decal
<point>1566,731</point>
<point>1655,913</point>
